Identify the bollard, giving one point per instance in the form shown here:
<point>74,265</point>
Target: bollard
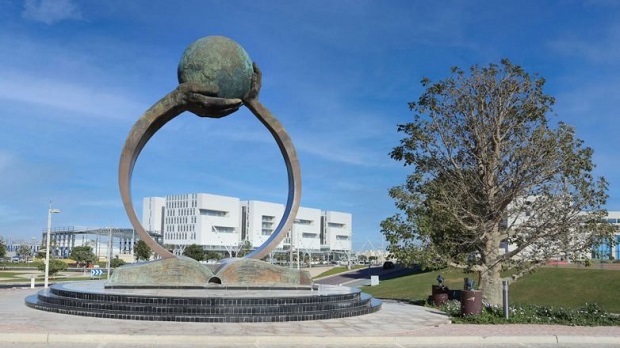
<point>505,298</point>
<point>32,281</point>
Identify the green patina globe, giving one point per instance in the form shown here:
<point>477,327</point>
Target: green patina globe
<point>220,61</point>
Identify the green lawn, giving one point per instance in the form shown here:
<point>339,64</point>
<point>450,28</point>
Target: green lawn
<point>564,287</point>
<point>10,277</point>
<point>569,288</point>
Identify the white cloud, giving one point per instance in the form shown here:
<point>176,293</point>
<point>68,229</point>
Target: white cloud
<point>67,96</point>
<point>604,48</point>
<point>50,11</point>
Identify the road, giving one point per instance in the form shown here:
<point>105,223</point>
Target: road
<point>361,277</point>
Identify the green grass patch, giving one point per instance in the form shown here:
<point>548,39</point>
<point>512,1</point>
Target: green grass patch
<point>18,265</point>
<point>570,288</point>
<point>415,287</point>
<point>558,287</point>
<point>11,277</point>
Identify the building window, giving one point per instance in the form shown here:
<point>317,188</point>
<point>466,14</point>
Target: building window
<point>210,212</point>
<point>339,237</point>
<point>335,225</point>
<point>224,229</point>
<point>303,222</point>
<point>267,225</point>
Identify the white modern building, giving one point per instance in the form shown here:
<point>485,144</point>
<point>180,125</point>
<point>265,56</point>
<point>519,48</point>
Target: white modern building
<point>153,214</point>
<point>260,220</point>
<point>337,231</point>
<point>306,231</point>
<point>226,224</point>
<point>607,249</point>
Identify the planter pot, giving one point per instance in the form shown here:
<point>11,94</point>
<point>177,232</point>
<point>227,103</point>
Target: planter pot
<point>439,295</point>
<point>471,302</point>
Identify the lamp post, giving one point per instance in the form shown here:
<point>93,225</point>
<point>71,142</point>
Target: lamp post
<point>109,257</point>
<point>50,211</point>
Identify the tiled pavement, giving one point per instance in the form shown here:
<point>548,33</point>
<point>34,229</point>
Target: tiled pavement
<point>396,324</point>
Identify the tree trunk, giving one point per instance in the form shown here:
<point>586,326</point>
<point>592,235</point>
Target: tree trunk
<point>491,284</point>
<point>490,277</point>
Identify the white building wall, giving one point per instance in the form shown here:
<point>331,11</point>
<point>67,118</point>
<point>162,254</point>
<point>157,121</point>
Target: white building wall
<point>520,218</point>
<point>262,220</point>
<point>306,231</point>
<point>203,219</point>
<point>153,214</point>
<point>339,230</point>
<point>218,220</point>
<point>613,217</point>
<point>180,220</point>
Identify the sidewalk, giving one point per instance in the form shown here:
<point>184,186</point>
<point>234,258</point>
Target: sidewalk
<point>395,325</point>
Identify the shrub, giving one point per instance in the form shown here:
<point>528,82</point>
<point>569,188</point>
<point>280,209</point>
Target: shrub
<point>589,315</point>
<point>116,262</point>
<point>55,266</point>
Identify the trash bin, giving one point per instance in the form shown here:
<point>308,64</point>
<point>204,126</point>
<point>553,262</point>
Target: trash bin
<point>439,295</point>
<point>471,302</point>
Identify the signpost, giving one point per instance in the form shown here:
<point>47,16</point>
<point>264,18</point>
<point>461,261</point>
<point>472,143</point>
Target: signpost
<point>96,273</point>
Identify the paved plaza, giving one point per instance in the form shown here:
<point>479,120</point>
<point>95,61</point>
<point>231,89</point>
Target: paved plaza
<point>395,325</point>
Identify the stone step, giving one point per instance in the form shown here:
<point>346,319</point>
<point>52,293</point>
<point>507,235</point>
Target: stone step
<point>181,308</point>
<point>274,306</point>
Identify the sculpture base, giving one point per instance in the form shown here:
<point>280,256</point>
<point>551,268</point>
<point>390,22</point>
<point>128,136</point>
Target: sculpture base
<point>233,305</point>
<point>182,289</point>
<point>185,272</point>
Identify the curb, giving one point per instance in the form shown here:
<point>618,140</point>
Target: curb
<point>312,341</point>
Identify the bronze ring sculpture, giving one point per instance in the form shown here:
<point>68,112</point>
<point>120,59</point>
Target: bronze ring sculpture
<point>202,99</point>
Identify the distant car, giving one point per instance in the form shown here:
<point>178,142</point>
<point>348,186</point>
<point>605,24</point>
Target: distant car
<point>388,265</point>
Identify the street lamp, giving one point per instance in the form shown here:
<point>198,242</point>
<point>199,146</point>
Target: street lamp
<point>50,211</point>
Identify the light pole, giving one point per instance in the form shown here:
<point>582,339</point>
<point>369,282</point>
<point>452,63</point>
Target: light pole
<point>109,257</point>
<point>50,211</point>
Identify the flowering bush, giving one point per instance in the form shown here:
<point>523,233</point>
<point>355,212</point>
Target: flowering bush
<point>589,315</point>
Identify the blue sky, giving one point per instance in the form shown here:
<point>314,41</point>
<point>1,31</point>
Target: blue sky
<point>76,75</point>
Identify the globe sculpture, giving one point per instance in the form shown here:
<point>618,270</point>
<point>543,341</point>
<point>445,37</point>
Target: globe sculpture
<point>217,61</point>
<point>216,77</point>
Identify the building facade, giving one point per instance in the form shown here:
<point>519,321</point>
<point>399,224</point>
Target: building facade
<point>227,224</point>
<point>609,250</point>
<point>603,250</point>
<point>337,227</point>
<point>153,214</point>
